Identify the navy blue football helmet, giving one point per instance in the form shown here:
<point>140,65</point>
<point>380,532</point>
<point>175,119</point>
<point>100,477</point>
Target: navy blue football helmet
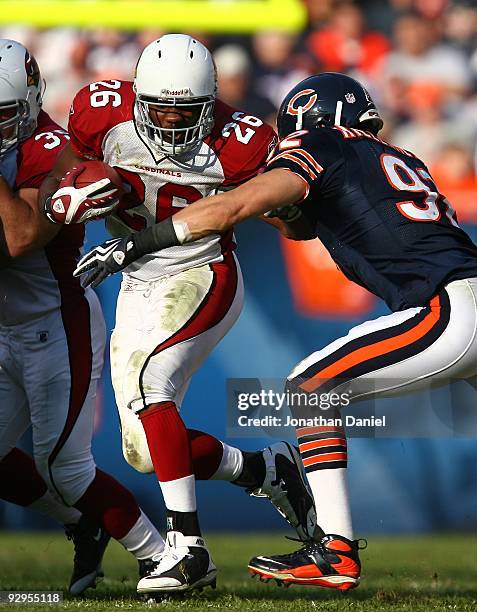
<point>328,99</point>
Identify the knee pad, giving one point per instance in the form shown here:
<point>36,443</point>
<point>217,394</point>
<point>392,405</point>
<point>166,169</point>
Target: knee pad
<point>136,452</point>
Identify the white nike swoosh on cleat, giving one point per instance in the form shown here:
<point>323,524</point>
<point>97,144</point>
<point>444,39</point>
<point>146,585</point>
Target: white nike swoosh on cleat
<point>272,561</point>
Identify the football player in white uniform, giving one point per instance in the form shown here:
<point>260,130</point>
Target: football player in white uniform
<point>52,342</point>
<point>169,137</point>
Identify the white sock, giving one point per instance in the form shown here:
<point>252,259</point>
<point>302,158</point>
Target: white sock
<point>143,540</point>
<point>64,515</point>
<point>179,494</point>
<point>330,492</point>
<point>231,465</point>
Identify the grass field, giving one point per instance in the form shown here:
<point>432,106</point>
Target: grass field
<point>416,573</point>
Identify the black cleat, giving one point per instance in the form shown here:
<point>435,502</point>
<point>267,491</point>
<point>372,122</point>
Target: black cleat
<point>286,487</point>
<point>90,541</point>
<point>184,565</point>
<point>332,562</point>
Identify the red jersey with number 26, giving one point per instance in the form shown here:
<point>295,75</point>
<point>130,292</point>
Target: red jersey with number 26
<point>102,126</point>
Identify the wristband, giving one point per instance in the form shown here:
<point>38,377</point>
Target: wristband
<point>160,236</point>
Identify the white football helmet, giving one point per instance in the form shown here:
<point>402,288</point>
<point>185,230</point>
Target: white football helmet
<point>175,70</point>
<point>20,93</point>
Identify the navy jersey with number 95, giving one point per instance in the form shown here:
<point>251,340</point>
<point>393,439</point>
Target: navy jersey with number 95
<point>378,212</point>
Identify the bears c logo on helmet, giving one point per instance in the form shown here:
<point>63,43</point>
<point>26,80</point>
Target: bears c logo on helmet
<point>312,98</point>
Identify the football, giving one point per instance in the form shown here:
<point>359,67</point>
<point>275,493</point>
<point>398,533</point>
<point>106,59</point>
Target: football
<point>70,207</point>
<point>91,172</point>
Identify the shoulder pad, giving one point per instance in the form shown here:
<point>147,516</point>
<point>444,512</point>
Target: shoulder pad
<point>95,110</point>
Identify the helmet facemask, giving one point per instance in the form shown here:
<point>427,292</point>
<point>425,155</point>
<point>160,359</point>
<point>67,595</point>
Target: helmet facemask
<point>174,140</point>
<point>15,124</point>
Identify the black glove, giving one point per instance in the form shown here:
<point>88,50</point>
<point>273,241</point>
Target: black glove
<point>106,259</point>
<point>115,255</point>
<point>288,214</point>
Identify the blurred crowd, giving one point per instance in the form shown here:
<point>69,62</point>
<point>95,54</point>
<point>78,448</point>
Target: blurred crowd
<point>418,58</point>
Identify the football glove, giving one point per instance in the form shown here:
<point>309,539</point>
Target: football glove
<point>288,214</point>
<point>70,204</point>
<point>105,259</point>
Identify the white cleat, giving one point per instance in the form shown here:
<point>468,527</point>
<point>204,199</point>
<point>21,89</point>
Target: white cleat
<point>286,487</point>
<point>185,564</point>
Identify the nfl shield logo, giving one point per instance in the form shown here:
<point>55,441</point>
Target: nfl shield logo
<point>349,97</point>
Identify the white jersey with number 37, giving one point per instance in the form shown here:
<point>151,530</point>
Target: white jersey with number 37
<point>102,126</point>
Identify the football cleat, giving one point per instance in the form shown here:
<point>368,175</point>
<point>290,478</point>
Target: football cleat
<point>146,567</point>
<point>90,541</point>
<point>286,487</point>
<point>331,562</point>
<point>184,565</point>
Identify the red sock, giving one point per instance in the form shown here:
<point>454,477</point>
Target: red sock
<point>20,482</point>
<point>206,452</point>
<point>110,504</point>
<point>168,441</point>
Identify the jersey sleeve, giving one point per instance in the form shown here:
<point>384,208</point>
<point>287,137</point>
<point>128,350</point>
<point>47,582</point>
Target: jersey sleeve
<point>37,155</point>
<point>95,110</point>
<point>249,162</point>
<point>242,143</point>
<point>314,156</point>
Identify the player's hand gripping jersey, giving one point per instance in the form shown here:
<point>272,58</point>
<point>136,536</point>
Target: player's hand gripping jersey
<point>379,213</point>
<point>102,127</point>
<point>37,283</point>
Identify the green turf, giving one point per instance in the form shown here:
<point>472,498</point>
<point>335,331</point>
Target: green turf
<point>413,573</point>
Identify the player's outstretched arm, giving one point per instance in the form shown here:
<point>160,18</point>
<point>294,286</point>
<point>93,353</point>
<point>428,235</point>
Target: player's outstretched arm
<point>269,191</point>
<point>213,215</point>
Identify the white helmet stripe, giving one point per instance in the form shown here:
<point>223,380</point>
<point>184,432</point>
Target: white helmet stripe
<point>299,119</point>
<point>338,112</point>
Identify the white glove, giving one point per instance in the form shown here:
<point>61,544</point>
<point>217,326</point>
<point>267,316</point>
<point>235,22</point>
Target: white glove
<point>77,205</point>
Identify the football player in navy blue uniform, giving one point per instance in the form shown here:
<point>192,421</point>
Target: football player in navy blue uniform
<point>377,210</point>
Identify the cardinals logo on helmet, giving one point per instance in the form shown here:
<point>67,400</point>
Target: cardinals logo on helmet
<point>312,98</point>
<point>32,70</point>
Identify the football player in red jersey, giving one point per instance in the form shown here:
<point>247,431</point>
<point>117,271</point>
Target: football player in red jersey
<point>378,211</point>
<point>170,138</point>
<point>52,342</point>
